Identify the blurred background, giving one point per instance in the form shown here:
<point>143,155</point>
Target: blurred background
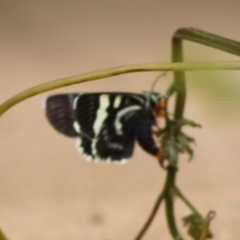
<point>47,190</point>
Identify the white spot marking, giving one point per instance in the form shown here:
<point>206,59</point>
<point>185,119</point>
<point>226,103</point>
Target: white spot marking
<point>90,158</point>
<point>117,101</point>
<point>81,151</point>
<point>75,101</point>
<point>121,162</point>
<point>120,114</point>
<point>110,160</point>
<point>78,145</point>
<point>101,113</point>
<point>116,146</point>
<point>100,117</point>
<point>76,126</point>
<point>94,151</point>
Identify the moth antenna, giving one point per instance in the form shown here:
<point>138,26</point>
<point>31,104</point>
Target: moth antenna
<point>157,78</point>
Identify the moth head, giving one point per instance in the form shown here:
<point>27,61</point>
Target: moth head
<point>159,109</point>
<point>157,103</point>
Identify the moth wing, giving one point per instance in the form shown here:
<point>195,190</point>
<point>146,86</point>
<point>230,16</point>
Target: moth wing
<point>114,145</point>
<point>107,123</point>
<point>60,113</point>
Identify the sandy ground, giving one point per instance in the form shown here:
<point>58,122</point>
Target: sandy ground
<point>47,190</point>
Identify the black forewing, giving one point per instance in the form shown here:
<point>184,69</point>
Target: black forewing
<point>60,114</point>
<point>117,146</point>
<point>75,115</point>
<point>85,115</point>
<point>107,142</point>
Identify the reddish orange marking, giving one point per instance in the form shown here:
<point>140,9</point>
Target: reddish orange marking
<point>162,103</point>
<point>159,154</point>
<point>162,113</point>
<point>160,109</point>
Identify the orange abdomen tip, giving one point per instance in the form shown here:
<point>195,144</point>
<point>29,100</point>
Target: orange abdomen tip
<point>159,154</point>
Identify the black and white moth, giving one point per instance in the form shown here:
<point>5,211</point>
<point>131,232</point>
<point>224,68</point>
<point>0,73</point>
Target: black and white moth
<point>107,125</point>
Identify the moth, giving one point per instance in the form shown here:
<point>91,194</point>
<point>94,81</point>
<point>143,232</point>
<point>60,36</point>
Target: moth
<point>107,125</point>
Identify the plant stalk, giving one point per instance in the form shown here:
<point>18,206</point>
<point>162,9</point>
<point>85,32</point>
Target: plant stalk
<point>193,66</point>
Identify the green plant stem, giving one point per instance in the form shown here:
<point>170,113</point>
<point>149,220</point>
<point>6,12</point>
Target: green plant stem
<point>179,86</point>
<point>193,66</point>
<point>2,236</point>
<point>179,78</point>
<point>169,202</point>
<point>166,194</point>
<point>187,202</point>
<point>198,36</point>
<point>208,39</point>
<point>151,216</point>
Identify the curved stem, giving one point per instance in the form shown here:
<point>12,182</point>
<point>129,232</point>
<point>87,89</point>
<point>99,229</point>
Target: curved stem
<point>208,39</point>
<point>166,194</point>
<point>2,236</point>
<point>187,202</point>
<point>198,36</point>
<point>179,85</point>
<point>179,78</point>
<point>151,217</point>
<point>113,72</point>
<point>169,202</point>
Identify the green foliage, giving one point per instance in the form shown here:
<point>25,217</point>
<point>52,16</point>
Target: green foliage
<point>195,226</point>
<point>174,141</point>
